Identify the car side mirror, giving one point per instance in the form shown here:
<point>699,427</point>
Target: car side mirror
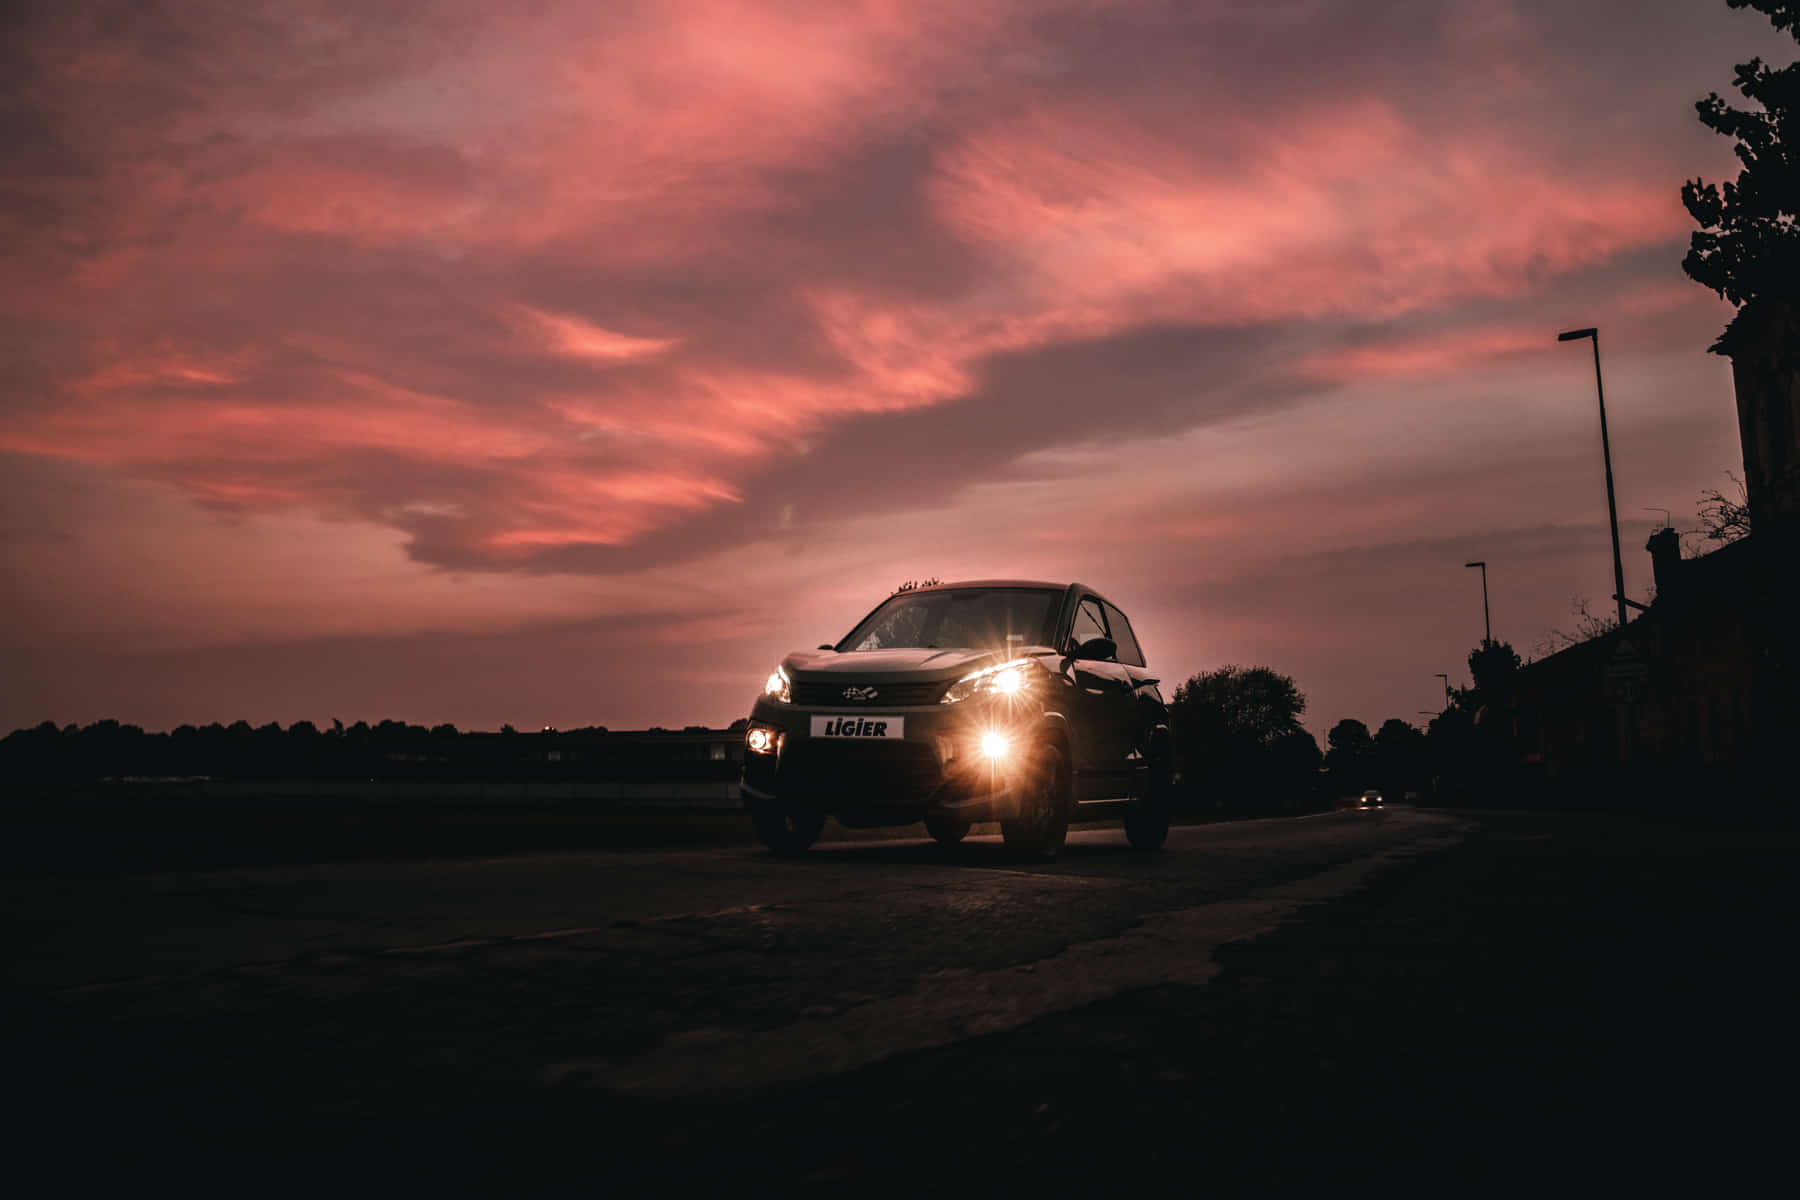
<point>1097,649</point>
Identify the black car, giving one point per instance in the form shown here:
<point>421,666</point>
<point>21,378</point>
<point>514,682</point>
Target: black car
<point>1006,700</point>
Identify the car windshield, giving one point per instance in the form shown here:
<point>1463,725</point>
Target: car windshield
<point>957,618</point>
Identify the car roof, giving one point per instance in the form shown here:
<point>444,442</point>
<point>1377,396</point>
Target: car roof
<point>998,583</point>
<point>1014,583</point>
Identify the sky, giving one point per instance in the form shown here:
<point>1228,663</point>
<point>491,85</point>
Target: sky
<point>560,363</point>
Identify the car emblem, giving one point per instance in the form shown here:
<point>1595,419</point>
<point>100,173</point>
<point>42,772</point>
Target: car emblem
<point>859,693</point>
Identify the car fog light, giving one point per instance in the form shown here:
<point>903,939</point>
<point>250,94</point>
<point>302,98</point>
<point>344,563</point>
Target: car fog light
<point>760,741</point>
<point>994,745</point>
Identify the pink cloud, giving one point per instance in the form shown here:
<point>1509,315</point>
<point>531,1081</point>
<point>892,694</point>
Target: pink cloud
<point>575,337</point>
<point>1347,208</point>
<point>1454,351</point>
<point>364,190</point>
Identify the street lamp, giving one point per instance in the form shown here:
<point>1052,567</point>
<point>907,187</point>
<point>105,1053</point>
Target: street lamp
<point>1486,625</point>
<point>1612,507</point>
<point>1446,680</point>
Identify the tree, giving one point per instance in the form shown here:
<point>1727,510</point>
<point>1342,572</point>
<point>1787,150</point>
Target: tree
<point>1294,762</point>
<point>1402,762</point>
<point>1348,734</point>
<point>1452,752</point>
<point>1755,251</point>
<point>1226,725</point>
<point>1297,752</point>
<point>1350,754</point>
<point>1588,626</point>
<point>1492,663</point>
<point>1254,704</point>
<point>1724,519</point>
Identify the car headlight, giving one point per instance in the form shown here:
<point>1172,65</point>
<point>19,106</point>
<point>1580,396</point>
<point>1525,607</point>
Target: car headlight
<point>779,686</point>
<point>1007,679</point>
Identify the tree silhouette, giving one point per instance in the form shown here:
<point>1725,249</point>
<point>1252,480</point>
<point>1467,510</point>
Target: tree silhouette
<point>1402,757</point>
<point>1491,664</point>
<point>1351,752</point>
<point>1452,752</point>
<point>1254,704</point>
<point>1725,518</point>
<point>1294,761</point>
<point>1227,726</point>
<point>1755,251</point>
<point>1588,626</point>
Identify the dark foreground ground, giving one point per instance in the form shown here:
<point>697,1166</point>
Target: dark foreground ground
<point>1405,1000</point>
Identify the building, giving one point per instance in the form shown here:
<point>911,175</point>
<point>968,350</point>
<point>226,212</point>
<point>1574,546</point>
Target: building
<point>1642,715</point>
<point>1693,701</point>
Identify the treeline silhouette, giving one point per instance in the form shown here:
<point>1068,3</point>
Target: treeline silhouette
<point>110,750</point>
<point>1240,749</point>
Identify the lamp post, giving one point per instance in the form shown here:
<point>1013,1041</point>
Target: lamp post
<point>1446,680</point>
<point>1487,626</point>
<point>1612,507</point>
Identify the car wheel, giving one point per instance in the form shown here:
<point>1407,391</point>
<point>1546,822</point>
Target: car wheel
<point>1041,823</point>
<point>785,832</point>
<point>1147,817</point>
<point>945,829</point>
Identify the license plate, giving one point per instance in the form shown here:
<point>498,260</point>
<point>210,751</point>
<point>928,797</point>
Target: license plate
<point>859,728</point>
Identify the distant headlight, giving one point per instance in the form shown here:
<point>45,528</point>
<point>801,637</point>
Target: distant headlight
<point>1006,679</point>
<point>779,686</point>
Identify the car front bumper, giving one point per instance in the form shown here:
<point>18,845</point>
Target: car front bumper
<point>939,765</point>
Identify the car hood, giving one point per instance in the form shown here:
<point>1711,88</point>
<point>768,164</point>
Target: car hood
<point>894,666</point>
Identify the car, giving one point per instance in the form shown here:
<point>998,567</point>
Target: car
<point>1017,701</point>
<point>1370,798</point>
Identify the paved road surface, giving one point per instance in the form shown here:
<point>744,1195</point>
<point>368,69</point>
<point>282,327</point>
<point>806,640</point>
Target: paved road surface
<point>1408,997</point>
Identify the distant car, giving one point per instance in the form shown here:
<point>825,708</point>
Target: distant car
<point>1370,798</point>
<point>1007,700</point>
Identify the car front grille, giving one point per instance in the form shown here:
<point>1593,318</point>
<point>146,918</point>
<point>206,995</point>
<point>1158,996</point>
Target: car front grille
<point>887,695</point>
<point>860,772</point>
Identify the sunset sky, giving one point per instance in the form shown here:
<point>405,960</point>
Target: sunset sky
<point>567,363</point>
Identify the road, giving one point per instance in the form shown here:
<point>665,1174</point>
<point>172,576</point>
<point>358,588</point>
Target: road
<point>1399,996</point>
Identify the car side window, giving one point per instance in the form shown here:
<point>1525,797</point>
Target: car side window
<point>1088,622</point>
<point>1129,653</point>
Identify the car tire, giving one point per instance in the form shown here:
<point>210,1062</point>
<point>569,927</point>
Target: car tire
<point>1147,817</point>
<point>947,830</point>
<point>1041,825</point>
<point>786,833</point>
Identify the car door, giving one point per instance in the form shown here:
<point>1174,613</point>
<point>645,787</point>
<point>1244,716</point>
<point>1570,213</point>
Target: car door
<point>1147,703</point>
<point>1105,710</point>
